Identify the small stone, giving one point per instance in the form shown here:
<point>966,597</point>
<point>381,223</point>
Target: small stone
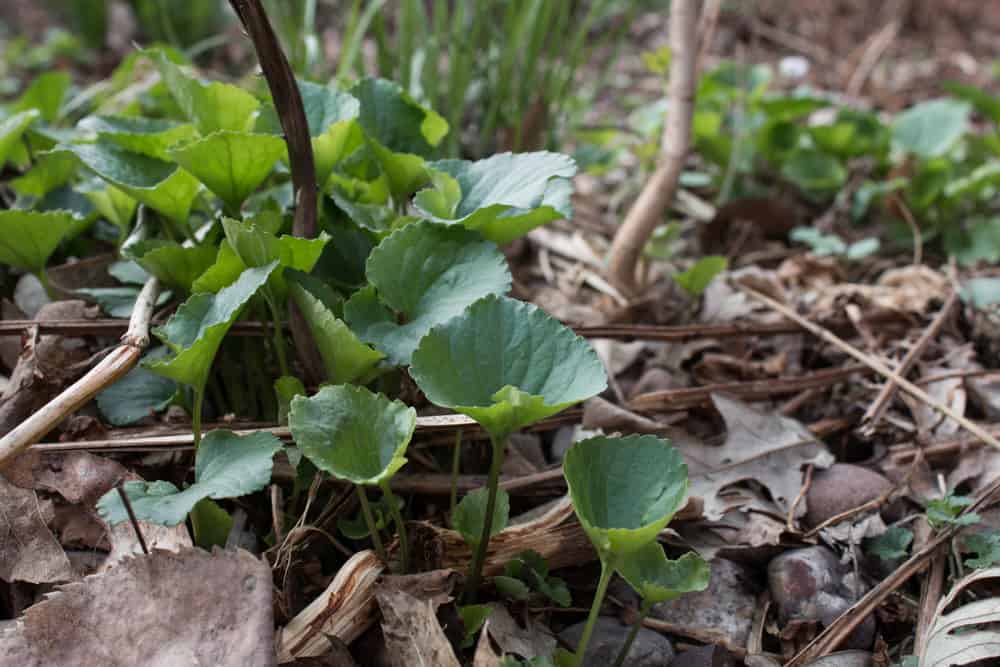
<point>30,295</point>
<point>650,649</point>
<point>705,656</point>
<point>724,610</point>
<point>841,487</point>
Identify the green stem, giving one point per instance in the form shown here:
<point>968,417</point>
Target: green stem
<point>43,278</point>
<point>397,518</point>
<point>199,399</point>
<point>476,573</point>
<point>279,340</point>
<point>633,633</point>
<point>366,511</point>
<point>456,460</point>
<point>595,610</point>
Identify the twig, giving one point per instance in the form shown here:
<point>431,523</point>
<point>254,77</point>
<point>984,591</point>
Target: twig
<point>647,211</point>
<point>875,411</point>
<point>790,520</point>
<point>930,594</point>
<point>875,365</point>
<point>131,517</point>
<point>706,30</point>
<point>877,46</point>
<point>911,222</point>
<point>110,369</point>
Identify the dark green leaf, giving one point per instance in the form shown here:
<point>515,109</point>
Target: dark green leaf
<point>395,120</point>
<point>469,516</point>
<point>175,265</point>
<point>893,544</point>
<point>139,394</point>
<point>28,238</point>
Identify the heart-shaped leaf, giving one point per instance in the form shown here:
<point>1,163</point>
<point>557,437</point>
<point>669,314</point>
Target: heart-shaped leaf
<point>427,273</point>
<point>231,164</point>
<point>227,465</point>
<point>12,128</point>
<point>504,196</point>
<point>28,238</point>
<point>469,517</point>
<point>210,106</point>
<point>196,330</point>
<point>624,490</point>
<point>506,364</point>
<point>658,579</point>
<point>175,265</point>
<point>930,128</point>
<point>397,121</point>
<point>345,357</point>
<point>352,433</point>
<point>161,185</point>
<point>147,136</point>
<point>256,246</point>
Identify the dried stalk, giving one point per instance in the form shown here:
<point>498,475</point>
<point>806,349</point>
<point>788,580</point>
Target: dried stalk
<point>875,365</point>
<point>109,370</point>
<point>646,213</point>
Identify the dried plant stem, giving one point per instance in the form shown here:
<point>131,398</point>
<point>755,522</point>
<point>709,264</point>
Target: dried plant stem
<point>105,373</point>
<point>876,366</point>
<point>647,211</point>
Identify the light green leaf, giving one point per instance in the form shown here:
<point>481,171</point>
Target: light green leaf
<point>139,394</point>
<point>427,273</point>
<point>256,247</point>
<point>658,579</point>
<point>226,466</point>
<point>695,280</point>
<point>210,106</point>
<point>469,516</point>
<point>353,434</point>
<point>146,136</point>
<point>821,244</point>
<point>210,524</point>
<point>511,587</point>
<point>404,173</point>
<point>175,265</point>
<point>12,129</point>
<point>441,200</point>
<point>45,94</point>
<point>345,357</point>
<point>28,238</point>
<point>231,164</point>
<point>227,267</point>
<point>395,120</point>
<point>506,364</point>
<point>114,205</point>
<point>981,292</point>
<point>815,172</point>
<point>162,186</point>
<point>286,388</point>
<point>473,616</point>
<point>863,248</point>
<point>930,128</point>
<point>51,170</point>
<point>507,195</point>
<point>986,547</point>
<point>196,330</point>
<point>625,490</point>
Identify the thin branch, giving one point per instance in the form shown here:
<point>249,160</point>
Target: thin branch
<point>104,374</point>
<point>646,213</point>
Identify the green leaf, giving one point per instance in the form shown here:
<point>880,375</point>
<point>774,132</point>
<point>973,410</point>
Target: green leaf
<point>426,273</point>
<point>175,265</point>
<point>625,490</point>
<point>162,186</point>
<point>226,466</point>
<point>227,267</point>
<point>659,579</point>
<point>473,617</point>
<point>981,292</point>
<point>947,511</point>
<point>469,516</point>
<point>114,205</point>
<point>395,120</point>
<point>12,129</point>
<point>210,106</point>
<point>210,524</point>
<point>352,433</point>
<point>821,244</point>
<point>986,546</point>
<point>863,248</point>
<point>196,330</point>
<point>507,195</point>
<point>893,544</point>
<point>345,358</point>
<point>930,128</point>
<point>231,164</point>
<point>51,170</point>
<point>815,172</point>
<point>979,243</point>
<point>147,136</point>
<point>404,173</point>
<point>532,569</point>
<point>139,394</point>
<point>256,247</point>
<point>695,280</point>
<point>512,587</point>
<point>45,94</point>
<point>506,364</point>
<point>356,528</point>
<point>286,388</point>
<point>28,238</point>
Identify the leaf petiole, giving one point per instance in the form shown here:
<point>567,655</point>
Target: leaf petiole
<point>607,569</point>
<point>366,511</point>
<point>397,518</point>
<point>644,609</point>
<point>493,484</point>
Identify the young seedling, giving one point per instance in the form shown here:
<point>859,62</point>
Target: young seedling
<point>624,492</point>
<point>196,330</point>
<point>360,437</point>
<point>658,579</point>
<point>506,364</point>
<point>226,466</point>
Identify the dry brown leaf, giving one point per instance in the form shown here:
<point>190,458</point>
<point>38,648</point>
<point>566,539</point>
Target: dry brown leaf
<point>161,610</point>
<point>125,543</point>
<point>967,633</point>
<point>910,289</point>
<point>533,640</point>
<point>766,448</point>
<point>79,477</point>
<point>413,635</point>
<point>28,549</point>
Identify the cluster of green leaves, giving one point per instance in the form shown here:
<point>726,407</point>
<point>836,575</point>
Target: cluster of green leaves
<point>929,156</point>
